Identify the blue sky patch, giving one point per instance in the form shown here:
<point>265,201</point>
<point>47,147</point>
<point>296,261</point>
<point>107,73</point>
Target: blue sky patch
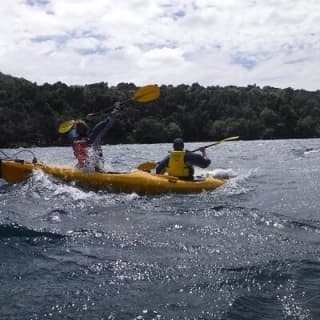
<point>295,61</point>
<point>250,60</point>
<point>246,62</point>
<point>59,39</point>
<point>37,2</point>
<point>150,45</point>
<point>92,51</point>
<point>179,14</point>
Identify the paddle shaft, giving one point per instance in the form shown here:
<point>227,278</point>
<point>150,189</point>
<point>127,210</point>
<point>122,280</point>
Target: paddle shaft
<point>144,94</point>
<point>91,115</point>
<point>148,166</point>
<point>215,143</point>
<point>115,106</point>
<point>205,147</point>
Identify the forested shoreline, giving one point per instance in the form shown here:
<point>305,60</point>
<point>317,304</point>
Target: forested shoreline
<point>30,114</point>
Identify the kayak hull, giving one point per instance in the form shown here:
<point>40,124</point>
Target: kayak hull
<point>140,182</point>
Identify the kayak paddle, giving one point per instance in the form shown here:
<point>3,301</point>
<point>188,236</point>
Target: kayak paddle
<point>217,142</point>
<point>144,94</point>
<point>149,165</point>
<point>66,126</point>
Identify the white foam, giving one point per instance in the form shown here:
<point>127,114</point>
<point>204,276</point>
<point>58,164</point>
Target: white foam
<point>39,181</point>
<point>311,151</point>
<point>236,185</point>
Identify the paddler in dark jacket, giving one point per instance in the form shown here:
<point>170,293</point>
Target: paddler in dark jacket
<point>87,145</point>
<point>179,163</point>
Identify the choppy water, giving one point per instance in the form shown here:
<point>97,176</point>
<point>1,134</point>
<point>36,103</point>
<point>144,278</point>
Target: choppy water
<point>249,250</point>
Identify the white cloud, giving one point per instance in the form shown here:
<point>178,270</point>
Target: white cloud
<point>230,42</point>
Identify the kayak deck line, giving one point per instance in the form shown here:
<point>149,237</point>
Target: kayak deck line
<point>138,181</point>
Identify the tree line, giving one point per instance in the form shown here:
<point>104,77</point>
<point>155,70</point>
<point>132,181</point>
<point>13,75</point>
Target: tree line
<point>30,114</point>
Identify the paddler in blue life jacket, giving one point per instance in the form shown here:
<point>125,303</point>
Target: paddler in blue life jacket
<point>179,163</point>
<point>87,145</point>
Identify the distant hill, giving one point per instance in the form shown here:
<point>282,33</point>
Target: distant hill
<point>30,114</point>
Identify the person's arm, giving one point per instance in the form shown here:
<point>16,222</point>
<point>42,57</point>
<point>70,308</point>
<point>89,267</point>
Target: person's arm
<point>196,159</point>
<point>102,127</point>
<point>161,167</point>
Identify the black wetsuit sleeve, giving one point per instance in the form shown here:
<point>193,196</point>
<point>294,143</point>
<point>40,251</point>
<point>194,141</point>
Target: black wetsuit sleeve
<point>162,165</point>
<point>101,128</point>
<point>196,159</point>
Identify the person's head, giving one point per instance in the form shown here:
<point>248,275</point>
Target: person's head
<point>82,128</point>
<point>178,144</point>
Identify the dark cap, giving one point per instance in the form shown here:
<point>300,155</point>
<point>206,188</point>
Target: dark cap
<point>178,144</point>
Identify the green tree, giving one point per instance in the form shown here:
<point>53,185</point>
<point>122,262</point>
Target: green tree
<point>173,130</point>
<point>149,130</point>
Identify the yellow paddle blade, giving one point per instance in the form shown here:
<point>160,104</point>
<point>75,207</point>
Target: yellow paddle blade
<point>147,166</point>
<point>147,93</point>
<point>66,126</point>
<point>230,139</point>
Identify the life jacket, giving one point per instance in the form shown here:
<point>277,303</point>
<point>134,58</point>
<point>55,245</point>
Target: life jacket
<point>80,149</point>
<point>176,165</point>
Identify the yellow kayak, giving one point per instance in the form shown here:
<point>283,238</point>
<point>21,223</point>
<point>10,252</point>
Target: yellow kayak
<point>140,182</point>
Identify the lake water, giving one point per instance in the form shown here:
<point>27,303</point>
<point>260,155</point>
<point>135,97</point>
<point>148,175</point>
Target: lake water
<point>248,250</point>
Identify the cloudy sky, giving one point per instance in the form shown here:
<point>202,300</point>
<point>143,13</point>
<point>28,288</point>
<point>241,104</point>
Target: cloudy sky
<point>212,42</point>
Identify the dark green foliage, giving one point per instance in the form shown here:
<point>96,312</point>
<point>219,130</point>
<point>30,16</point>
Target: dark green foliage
<point>30,114</point>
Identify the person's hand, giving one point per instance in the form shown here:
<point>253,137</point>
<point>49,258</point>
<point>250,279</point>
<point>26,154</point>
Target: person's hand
<point>203,151</point>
